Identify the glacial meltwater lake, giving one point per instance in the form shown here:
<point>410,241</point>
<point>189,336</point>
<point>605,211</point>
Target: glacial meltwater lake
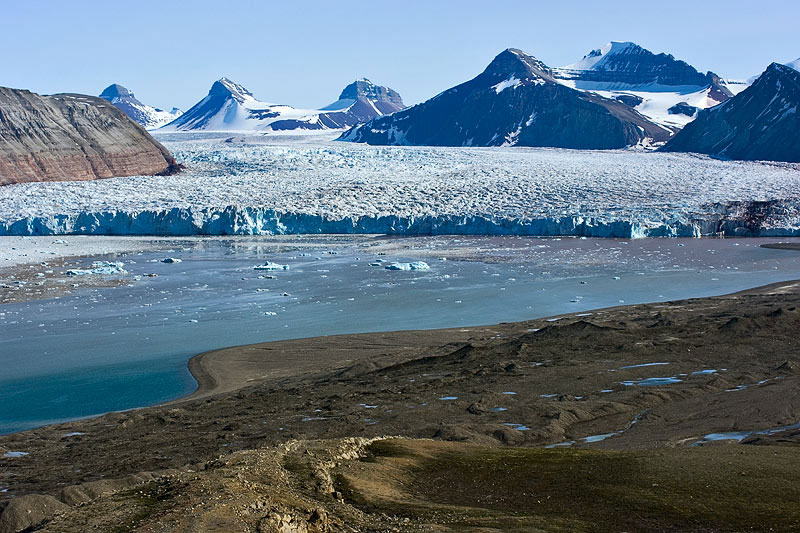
<point>108,349</point>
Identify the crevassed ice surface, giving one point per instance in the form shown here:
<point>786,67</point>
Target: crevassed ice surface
<point>297,184</point>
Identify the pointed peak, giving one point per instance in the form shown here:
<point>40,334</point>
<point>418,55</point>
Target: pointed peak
<point>227,88</point>
<point>363,88</point>
<point>115,90</point>
<point>613,48</point>
<point>780,69</point>
<point>618,47</point>
<point>515,62</point>
<point>776,77</point>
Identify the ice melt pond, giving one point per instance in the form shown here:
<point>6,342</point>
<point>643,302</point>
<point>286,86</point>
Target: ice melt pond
<point>116,348</point>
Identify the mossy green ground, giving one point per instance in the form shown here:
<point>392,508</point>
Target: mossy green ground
<point>460,486</point>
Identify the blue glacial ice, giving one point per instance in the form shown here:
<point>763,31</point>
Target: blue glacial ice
<point>257,188</point>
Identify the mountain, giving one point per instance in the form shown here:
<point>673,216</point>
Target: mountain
<point>760,123</point>
<point>72,137</point>
<point>148,116</point>
<point>515,101</point>
<point>229,106</point>
<point>794,64</point>
<point>659,82</point>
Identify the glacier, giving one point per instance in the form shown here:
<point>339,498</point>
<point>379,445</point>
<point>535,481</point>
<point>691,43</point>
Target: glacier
<point>273,184</point>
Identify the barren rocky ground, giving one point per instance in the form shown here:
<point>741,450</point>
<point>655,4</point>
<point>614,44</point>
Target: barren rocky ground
<point>282,435</point>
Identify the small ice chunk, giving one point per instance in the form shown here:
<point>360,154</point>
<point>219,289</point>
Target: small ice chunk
<point>170,260</point>
<point>269,265</point>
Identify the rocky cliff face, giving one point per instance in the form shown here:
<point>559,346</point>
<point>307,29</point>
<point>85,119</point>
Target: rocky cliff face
<point>515,101</point>
<point>72,137</point>
<point>760,123</point>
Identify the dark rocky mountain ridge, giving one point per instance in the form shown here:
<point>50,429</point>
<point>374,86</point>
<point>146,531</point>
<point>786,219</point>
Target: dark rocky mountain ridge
<point>515,101</point>
<point>760,123</point>
<point>628,64</point>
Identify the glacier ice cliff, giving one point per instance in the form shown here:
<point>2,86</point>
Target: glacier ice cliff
<point>733,219</point>
<point>271,185</point>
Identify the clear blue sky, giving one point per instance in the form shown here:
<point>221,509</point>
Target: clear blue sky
<point>303,52</point>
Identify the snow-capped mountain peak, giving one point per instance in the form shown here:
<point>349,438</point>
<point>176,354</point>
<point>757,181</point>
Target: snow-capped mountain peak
<point>148,116</point>
<point>665,89</point>
<point>598,56</point>
<point>514,101</point>
<point>224,87</point>
<point>115,90</point>
<point>366,89</point>
<point>514,63</point>
<point>231,107</point>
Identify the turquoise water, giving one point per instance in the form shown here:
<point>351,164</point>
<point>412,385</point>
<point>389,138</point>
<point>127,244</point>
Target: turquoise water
<point>119,348</point>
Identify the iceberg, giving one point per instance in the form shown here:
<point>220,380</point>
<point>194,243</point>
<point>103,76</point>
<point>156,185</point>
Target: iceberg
<point>416,265</point>
<point>269,265</point>
<point>99,268</point>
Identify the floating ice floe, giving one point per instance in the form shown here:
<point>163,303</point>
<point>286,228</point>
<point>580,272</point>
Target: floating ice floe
<point>415,265</point>
<point>170,260</point>
<point>269,265</point>
<point>100,268</point>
